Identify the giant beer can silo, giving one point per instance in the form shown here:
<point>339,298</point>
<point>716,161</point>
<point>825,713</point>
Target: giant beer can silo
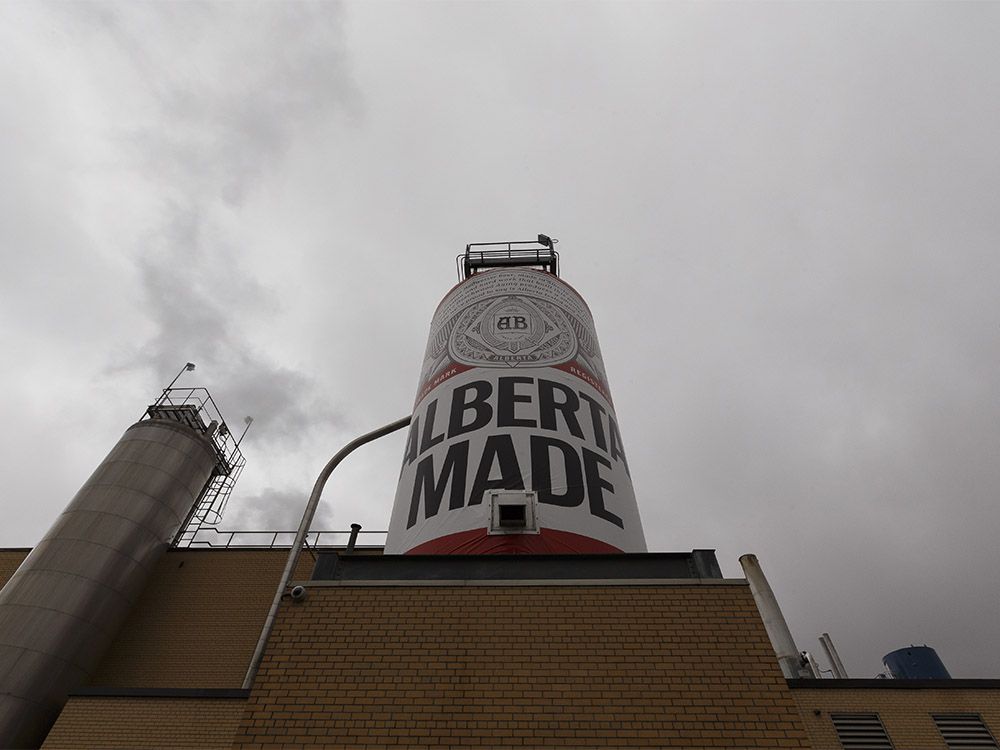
<point>64,605</point>
<point>514,445</point>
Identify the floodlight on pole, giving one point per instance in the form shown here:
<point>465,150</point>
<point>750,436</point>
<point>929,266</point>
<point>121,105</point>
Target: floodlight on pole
<point>186,368</point>
<point>248,421</point>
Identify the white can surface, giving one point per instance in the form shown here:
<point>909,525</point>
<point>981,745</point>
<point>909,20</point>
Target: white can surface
<point>514,445</point>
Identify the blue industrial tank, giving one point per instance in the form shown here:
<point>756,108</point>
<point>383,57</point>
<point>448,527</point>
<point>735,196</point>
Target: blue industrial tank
<point>915,663</point>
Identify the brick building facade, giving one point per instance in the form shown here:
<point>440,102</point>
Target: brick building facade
<point>374,658</point>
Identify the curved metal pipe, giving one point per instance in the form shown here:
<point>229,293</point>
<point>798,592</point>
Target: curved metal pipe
<point>300,535</point>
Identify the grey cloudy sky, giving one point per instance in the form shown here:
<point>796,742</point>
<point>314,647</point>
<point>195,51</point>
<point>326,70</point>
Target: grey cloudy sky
<point>784,217</point>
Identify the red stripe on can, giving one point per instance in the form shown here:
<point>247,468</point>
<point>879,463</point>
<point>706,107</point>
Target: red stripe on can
<point>581,372</point>
<point>546,542</point>
<point>445,373</point>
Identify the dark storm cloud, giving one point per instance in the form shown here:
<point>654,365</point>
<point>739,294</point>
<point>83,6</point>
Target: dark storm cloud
<point>193,323</point>
<point>232,83</point>
<point>220,118</point>
<point>279,509</point>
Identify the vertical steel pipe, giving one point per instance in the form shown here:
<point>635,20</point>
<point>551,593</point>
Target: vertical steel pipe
<point>774,622</point>
<point>352,542</point>
<point>833,657</point>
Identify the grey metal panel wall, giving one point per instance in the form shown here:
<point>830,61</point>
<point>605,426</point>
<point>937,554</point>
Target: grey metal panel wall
<point>62,608</point>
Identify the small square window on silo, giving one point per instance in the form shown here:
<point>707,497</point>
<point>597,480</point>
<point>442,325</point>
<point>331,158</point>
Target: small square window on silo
<point>513,512</point>
<point>514,516</point>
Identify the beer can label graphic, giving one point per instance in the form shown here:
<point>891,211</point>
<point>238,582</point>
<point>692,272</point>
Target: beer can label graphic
<point>514,445</point>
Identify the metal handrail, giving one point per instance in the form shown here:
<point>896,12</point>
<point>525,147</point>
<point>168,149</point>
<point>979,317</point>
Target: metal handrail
<point>512,253</point>
<point>274,539</point>
<point>207,411</point>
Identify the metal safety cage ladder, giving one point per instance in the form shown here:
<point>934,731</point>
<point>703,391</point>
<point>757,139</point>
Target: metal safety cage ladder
<point>196,409</point>
<point>482,256</point>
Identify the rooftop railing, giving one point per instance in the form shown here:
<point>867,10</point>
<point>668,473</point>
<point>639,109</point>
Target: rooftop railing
<point>482,256</point>
<point>271,539</point>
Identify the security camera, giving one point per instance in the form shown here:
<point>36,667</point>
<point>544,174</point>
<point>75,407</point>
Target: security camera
<point>298,593</point>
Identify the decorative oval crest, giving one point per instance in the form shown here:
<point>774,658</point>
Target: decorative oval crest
<point>510,331</point>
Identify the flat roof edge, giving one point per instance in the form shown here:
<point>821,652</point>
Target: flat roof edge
<point>120,692</point>
<point>529,582</point>
<point>890,684</point>
<point>697,565</point>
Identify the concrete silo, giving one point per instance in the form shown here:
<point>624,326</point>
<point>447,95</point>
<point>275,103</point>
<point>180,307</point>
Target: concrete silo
<point>514,445</point>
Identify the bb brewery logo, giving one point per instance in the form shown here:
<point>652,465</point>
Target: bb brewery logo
<point>511,325</point>
<point>512,331</point>
<point>517,322</point>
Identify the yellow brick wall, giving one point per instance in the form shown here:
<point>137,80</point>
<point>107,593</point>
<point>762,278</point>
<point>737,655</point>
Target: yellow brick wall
<point>175,723</point>
<point>9,560</point>
<point>906,714</point>
<point>522,666</point>
<point>198,620</point>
